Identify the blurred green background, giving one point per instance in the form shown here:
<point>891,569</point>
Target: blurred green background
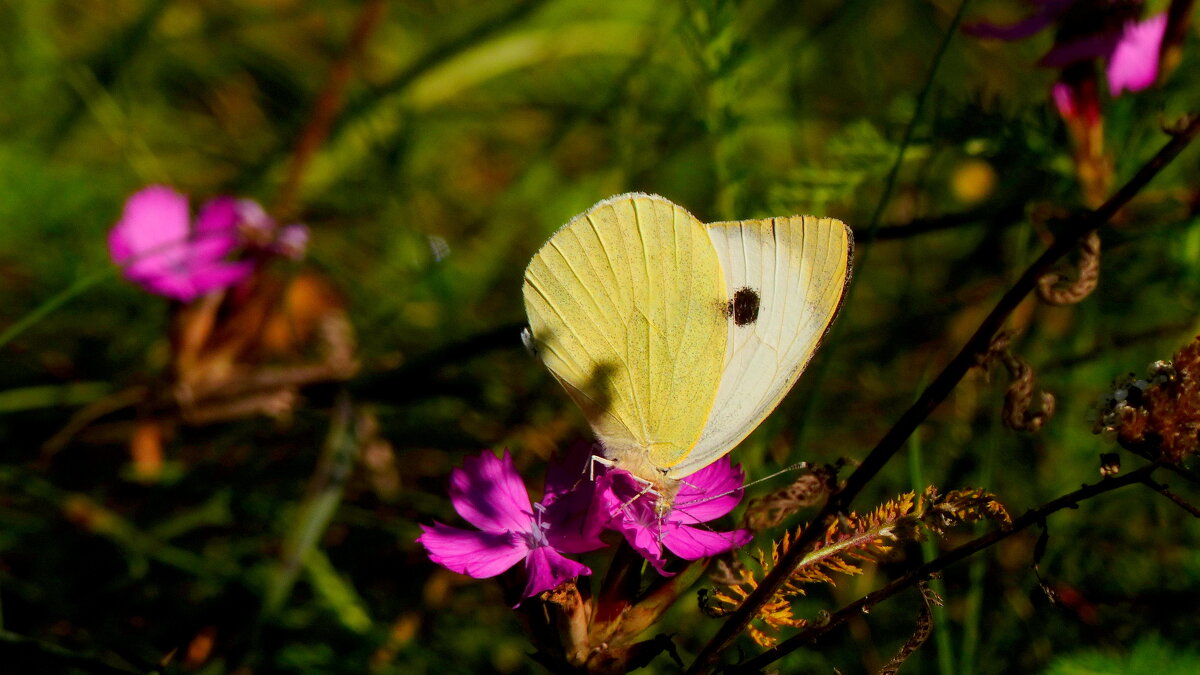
<point>469,131</point>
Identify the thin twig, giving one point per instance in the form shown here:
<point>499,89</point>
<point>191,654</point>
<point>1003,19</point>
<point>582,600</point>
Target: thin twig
<point>865,603</point>
<point>1184,472</point>
<point>329,102</point>
<point>937,391</point>
<point>1181,470</point>
<point>867,238</point>
<point>993,217</point>
<point>1179,501</point>
<point>18,651</point>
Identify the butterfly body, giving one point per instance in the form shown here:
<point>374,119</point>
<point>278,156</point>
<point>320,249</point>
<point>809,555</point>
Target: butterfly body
<point>677,338</point>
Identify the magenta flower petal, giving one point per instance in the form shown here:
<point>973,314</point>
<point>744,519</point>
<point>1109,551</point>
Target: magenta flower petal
<point>570,472</point>
<point>152,233</point>
<point>219,275</point>
<point>1133,65</point>
<point>1050,10</point>
<point>547,569</point>
<point>632,513</point>
<point>635,515</point>
<point>198,280</point>
<point>574,525</point>
<point>252,216</point>
<point>573,519</point>
<point>488,493</point>
<point>177,286</point>
<point>1083,49</point>
<point>692,543</point>
<point>216,231</point>
<point>478,554</point>
<point>697,500</point>
<point>158,247</point>
<point>1017,31</point>
<point>218,216</point>
<point>1064,100</point>
<point>119,247</point>
<point>646,538</point>
<point>155,220</point>
<point>291,242</point>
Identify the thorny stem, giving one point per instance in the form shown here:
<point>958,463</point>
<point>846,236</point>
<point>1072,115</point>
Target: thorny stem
<point>941,387</point>
<point>995,216</point>
<point>870,236</point>
<point>1184,472</point>
<point>1179,501</point>
<point>865,603</point>
<point>1179,469</point>
<point>329,102</point>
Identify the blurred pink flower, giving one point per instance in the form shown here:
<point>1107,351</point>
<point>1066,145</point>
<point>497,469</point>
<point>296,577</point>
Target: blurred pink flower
<point>1133,61</point>
<point>488,493</point>
<point>164,252</point>
<point>161,250</point>
<point>262,232</point>
<point>635,514</point>
<point>1088,31</point>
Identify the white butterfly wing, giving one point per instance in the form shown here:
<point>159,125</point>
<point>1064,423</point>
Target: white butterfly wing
<point>786,278</point>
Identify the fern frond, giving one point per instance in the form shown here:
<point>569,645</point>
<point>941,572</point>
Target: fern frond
<point>965,506</point>
<point>850,540</point>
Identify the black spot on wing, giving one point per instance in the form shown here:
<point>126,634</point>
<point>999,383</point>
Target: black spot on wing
<point>744,306</point>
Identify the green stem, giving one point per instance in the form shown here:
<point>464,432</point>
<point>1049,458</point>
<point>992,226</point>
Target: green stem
<point>47,657</point>
<point>53,303</point>
<point>929,551</point>
<point>315,513</point>
<point>867,240</point>
<point>977,571</point>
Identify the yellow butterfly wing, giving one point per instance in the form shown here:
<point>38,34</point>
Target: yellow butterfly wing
<point>626,307</point>
<point>786,278</point>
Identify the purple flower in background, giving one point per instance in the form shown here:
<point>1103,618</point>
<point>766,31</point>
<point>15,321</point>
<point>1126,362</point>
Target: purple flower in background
<point>1133,60</point>
<point>634,513</point>
<point>162,250</point>
<point>488,493</point>
<point>261,231</point>
<point>1088,30</point>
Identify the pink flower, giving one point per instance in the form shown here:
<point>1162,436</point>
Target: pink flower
<point>262,232</point>
<point>705,495</point>
<point>488,493</point>
<point>1133,61</point>
<point>162,251</point>
<point>1087,31</point>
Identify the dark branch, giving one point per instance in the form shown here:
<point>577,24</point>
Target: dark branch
<point>28,655</point>
<point>937,391</point>
<point>856,608</point>
<point>1001,216</point>
<point>1184,472</point>
<point>329,102</point>
<point>1179,501</point>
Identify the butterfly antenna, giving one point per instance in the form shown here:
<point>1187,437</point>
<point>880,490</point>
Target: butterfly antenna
<point>798,466</point>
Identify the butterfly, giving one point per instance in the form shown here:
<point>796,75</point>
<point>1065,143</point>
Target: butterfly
<point>675,337</point>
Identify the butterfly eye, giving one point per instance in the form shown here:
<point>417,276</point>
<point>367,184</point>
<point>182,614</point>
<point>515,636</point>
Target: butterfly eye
<point>744,306</point>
